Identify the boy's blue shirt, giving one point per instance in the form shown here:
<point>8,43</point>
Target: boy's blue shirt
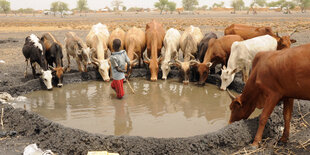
<point>119,59</point>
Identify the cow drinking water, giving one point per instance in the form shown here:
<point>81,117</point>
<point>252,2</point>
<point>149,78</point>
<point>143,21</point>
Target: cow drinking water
<point>34,51</point>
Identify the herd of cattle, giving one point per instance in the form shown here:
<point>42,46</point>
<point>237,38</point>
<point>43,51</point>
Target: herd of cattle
<point>280,74</point>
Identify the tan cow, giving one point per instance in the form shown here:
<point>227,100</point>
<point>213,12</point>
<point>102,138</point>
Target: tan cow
<point>76,48</point>
<point>154,34</point>
<point>189,45</point>
<point>135,46</point>
<point>118,33</point>
<point>97,38</point>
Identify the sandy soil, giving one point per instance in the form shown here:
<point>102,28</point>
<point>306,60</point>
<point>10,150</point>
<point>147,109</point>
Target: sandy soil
<point>32,128</point>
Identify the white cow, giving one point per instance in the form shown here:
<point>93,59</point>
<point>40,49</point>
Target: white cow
<point>172,45</point>
<point>242,55</point>
<point>97,38</point>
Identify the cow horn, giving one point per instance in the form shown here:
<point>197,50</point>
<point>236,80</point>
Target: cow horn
<point>96,61</point>
<point>191,55</point>
<point>193,62</point>
<point>231,95</point>
<point>295,30</point>
<point>277,33</point>
<point>177,61</point>
<point>145,56</point>
<point>159,58</point>
<point>51,68</point>
<point>209,64</point>
<point>136,59</point>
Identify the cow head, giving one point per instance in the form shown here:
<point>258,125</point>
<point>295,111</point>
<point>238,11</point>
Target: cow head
<point>227,77</point>
<point>203,70</point>
<point>185,68</point>
<point>165,68</point>
<point>239,110</point>
<point>85,54</point>
<point>285,41</point>
<point>59,75</point>
<point>46,76</point>
<point>153,65</point>
<point>103,67</point>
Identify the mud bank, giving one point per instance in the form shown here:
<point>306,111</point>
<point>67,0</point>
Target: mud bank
<point>32,128</point>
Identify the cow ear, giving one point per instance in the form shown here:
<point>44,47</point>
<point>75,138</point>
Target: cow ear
<point>293,41</point>
<point>234,71</point>
<point>224,67</point>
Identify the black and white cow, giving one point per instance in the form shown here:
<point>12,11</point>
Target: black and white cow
<point>34,51</point>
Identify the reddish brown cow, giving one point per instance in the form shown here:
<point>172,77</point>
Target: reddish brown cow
<point>248,32</point>
<point>154,34</point>
<point>218,53</point>
<point>278,75</point>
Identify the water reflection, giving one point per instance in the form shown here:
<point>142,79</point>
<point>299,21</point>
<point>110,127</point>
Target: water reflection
<point>157,109</point>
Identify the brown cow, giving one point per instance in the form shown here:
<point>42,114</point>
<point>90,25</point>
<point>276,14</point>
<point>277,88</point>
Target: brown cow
<point>54,56</point>
<point>154,34</point>
<point>278,75</point>
<point>135,45</point>
<point>118,33</point>
<point>248,32</point>
<point>218,53</point>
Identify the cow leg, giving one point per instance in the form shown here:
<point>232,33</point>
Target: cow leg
<point>25,73</point>
<point>271,102</point>
<point>68,67</point>
<point>85,67</point>
<point>33,66</point>
<point>79,64</point>
<point>287,115</point>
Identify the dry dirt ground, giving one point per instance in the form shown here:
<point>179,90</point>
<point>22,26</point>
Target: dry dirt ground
<point>31,128</point>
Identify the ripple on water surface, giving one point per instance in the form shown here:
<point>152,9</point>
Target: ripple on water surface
<point>157,109</point>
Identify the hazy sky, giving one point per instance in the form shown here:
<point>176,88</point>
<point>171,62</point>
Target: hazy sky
<point>97,4</point>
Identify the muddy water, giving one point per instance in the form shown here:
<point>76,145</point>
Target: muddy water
<point>157,109</point>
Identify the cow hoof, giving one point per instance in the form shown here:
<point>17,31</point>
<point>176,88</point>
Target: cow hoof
<point>50,89</point>
<point>59,85</point>
<point>281,143</point>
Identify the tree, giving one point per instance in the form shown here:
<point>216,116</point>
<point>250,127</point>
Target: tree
<point>283,4</point>
<point>260,3</point>
<point>5,6</point>
<point>171,6</point>
<point>303,4</point>
<point>218,5</point>
<point>117,4</point>
<point>59,6</point>
<point>161,5</point>
<point>190,4</point>
<point>237,5</point>
<point>124,8</point>
<point>82,5</point>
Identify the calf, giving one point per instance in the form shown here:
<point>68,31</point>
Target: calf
<point>241,56</point>
<point>279,75</point>
<point>54,56</point>
<point>188,42</point>
<point>76,48</point>
<point>97,38</point>
<point>217,53</point>
<point>172,45</point>
<point>34,51</point>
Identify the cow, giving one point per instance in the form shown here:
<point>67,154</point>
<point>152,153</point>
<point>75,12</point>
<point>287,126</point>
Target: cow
<point>118,33</point>
<point>172,45</point>
<point>97,38</point>
<point>54,56</point>
<point>135,46</point>
<point>248,32</point>
<point>203,45</point>
<point>218,53</point>
<point>76,48</point>
<point>189,45</point>
<point>278,75</point>
<point>154,35</point>
<point>34,51</point>
<point>241,56</point>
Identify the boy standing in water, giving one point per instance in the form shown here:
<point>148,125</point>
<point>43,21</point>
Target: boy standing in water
<point>118,60</point>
